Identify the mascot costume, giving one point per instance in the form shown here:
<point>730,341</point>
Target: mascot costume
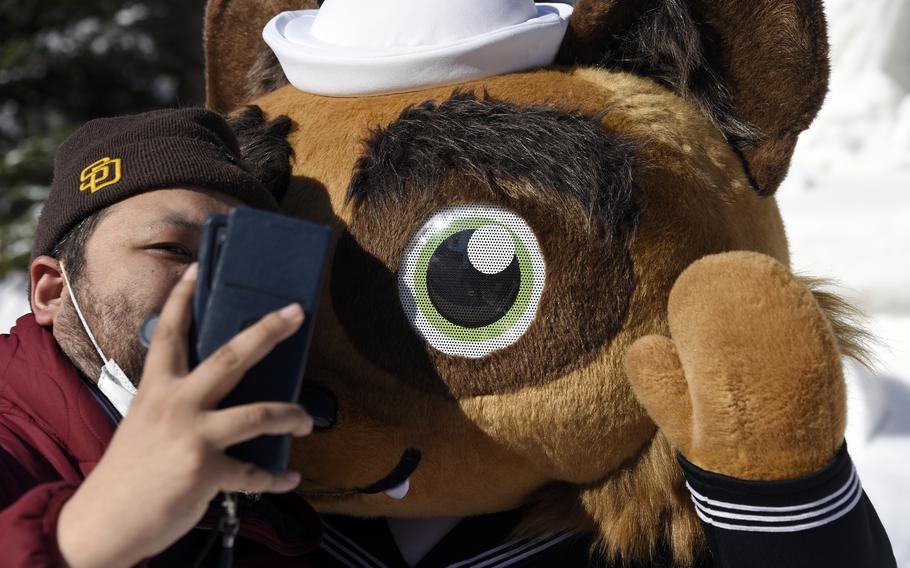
<point>560,328</point>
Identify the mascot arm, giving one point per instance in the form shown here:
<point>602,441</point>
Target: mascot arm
<point>750,390</point>
<point>818,520</point>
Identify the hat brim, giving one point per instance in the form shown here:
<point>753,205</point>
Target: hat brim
<point>314,66</point>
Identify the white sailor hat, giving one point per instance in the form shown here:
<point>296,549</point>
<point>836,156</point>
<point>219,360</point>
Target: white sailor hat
<point>366,47</point>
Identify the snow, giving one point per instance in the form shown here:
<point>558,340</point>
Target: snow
<point>846,205</point>
<point>865,124</point>
<point>855,229</point>
<point>13,301</point>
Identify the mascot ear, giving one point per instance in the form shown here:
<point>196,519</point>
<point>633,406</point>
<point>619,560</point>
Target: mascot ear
<point>238,64</point>
<point>758,68</point>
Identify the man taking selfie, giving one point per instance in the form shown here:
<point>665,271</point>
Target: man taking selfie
<point>117,241</point>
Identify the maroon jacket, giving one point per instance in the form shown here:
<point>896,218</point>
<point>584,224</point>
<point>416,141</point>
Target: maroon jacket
<point>53,431</point>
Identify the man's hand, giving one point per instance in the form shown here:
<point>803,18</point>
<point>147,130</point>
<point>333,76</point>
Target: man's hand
<point>751,383</point>
<point>166,461</point>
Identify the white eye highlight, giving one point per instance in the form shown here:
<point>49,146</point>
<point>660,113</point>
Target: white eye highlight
<point>491,249</point>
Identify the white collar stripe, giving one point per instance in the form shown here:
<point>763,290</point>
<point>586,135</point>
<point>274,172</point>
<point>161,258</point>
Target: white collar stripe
<point>499,560</point>
<point>469,562</point>
<point>361,562</point>
<point>514,551</point>
<point>741,507</point>
<point>782,528</point>
<point>363,554</point>
<point>781,518</point>
<point>336,555</point>
<point>534,551</point>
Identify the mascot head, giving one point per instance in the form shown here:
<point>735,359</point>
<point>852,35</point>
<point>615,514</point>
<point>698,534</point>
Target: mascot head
<point>515,187</point>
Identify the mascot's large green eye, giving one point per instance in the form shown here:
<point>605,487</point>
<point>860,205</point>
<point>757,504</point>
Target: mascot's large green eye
<point>471,278</point>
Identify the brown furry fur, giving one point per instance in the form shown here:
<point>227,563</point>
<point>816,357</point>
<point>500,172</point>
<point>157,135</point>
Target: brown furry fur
<point>440,153</point>
<point>233,40</point>
<point>705,51</point>
<point>264,76</point>
<point>725,56</point>
<point>701,85</point>
<point>583,305</point>
<point>750,380</point>
<point>846,320</point>
<point>642,512</point>
<point>696,201</point>
<point>264,146</point>
<point>662,39</point>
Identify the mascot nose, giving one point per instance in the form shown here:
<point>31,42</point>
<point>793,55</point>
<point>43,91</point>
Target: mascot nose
<point>321,405</point>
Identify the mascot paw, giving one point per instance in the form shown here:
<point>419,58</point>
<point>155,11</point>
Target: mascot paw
<point>750,384</point>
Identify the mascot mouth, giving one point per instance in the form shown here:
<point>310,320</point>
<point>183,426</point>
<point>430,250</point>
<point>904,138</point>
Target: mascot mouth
<point>395,485</point>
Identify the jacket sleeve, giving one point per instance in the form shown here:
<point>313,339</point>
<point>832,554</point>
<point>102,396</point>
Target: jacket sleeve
<point>823,519</point>
<point>28,527</point>
<point>31,496</point>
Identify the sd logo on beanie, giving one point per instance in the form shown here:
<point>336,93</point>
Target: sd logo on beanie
<point>111,159</point>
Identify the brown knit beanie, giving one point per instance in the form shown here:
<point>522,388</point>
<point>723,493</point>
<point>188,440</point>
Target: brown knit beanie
<point>111,159</point>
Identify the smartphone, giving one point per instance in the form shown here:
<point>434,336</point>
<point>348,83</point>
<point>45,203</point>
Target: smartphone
<point>253,262</point>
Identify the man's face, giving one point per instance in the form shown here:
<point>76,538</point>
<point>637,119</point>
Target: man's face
<point>135,255</point>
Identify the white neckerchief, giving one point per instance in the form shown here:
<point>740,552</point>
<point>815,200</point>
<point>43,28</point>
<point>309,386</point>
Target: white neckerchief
<point>113,382</point>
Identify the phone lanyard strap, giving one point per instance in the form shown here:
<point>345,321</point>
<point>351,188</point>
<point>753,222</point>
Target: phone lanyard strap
<point>229,527</point>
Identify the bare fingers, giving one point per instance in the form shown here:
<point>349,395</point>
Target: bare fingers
<point>167,354</point>
<point>215,377</point>
<point>224,428</point>
<point>240,476</point>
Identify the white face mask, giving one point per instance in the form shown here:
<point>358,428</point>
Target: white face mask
<point>113,382</point>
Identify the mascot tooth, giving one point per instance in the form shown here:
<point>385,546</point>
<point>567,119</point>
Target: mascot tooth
<point>560,327</point>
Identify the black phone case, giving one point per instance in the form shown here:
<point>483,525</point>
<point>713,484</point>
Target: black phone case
<point>211,240</point>
<point>251,263</point>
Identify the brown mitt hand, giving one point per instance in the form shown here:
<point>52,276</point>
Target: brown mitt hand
<point>751,383</point>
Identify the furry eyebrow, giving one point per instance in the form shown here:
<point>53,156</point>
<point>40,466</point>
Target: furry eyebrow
<point>556,154</point>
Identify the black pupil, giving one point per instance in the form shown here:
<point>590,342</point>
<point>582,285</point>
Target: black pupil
<point>463,294</point>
